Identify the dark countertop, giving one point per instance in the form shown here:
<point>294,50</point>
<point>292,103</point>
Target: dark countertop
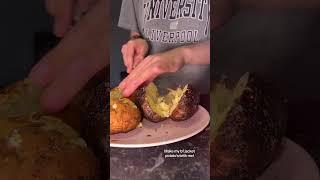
<point>150,163</point>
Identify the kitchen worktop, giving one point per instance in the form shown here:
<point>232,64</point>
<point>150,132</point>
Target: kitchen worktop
<point>151,163</point>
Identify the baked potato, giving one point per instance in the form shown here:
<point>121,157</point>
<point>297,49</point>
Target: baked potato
<point>178,105</point>
<point>19,98</point>
<point>43,147</point>
<point>86,114</point>
<point>247,127</point>
<point>124,114</point>
<point>22,98</point>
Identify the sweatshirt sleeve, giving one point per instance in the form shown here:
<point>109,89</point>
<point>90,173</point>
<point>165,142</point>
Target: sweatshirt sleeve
<point>128,16</point>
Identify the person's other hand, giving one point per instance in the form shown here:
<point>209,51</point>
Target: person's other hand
<point>133,52</point>
<point>151,67</point>
<point>65,11</point>
<point>78,57</point>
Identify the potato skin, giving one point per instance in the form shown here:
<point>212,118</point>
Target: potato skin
<point>251,136</point>
<point>188,105</point>
<point>48,149</point>
<point>146,109</point>
<point>123,116</point>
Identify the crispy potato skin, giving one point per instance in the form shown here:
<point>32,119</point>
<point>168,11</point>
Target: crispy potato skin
<point>251,136</point>
<point>43,154</point>
<point>146,109</point>
<point>86,114</point>
<point>188,105</point>
<point>123,117</point>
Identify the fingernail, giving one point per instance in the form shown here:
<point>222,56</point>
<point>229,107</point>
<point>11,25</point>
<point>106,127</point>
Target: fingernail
<point>59,30</point>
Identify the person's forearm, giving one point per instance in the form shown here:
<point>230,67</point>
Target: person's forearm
<point>197,53</point>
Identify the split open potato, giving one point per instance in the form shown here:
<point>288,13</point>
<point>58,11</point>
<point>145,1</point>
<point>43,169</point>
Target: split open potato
<point>179,104</point>
<point>248,124</point>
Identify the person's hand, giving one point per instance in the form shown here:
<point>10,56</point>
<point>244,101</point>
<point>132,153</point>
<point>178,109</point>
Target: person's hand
<point>64,12</point>
<point>133,52</point>
<point>79,56</point>
<point>151,67</point>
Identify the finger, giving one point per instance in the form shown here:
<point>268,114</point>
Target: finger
<point>123,51</point>
<point>51,65</point>
<point>63,17</point>
<point>139,68</point>
<point>50,6</point>
<point>138,79</point>
<point>129,56</point>
<point>142,51</point>
<point>143,69</point>
<point>83,5</point>
<point>43,72</point>
<point>137,60</point>
<point>92,2</point>
<point>66,85</point>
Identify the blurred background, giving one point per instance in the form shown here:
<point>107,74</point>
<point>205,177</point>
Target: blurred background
<point>282,46</point>
<point>118,38</point>
<point>24,37</point>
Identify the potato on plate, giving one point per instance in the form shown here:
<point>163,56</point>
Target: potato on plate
<point>179,104</point>
<point>124,114</point>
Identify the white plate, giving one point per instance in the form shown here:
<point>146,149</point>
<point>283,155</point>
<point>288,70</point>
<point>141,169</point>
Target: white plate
<point>165,132</point>
<point>294,163</point>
